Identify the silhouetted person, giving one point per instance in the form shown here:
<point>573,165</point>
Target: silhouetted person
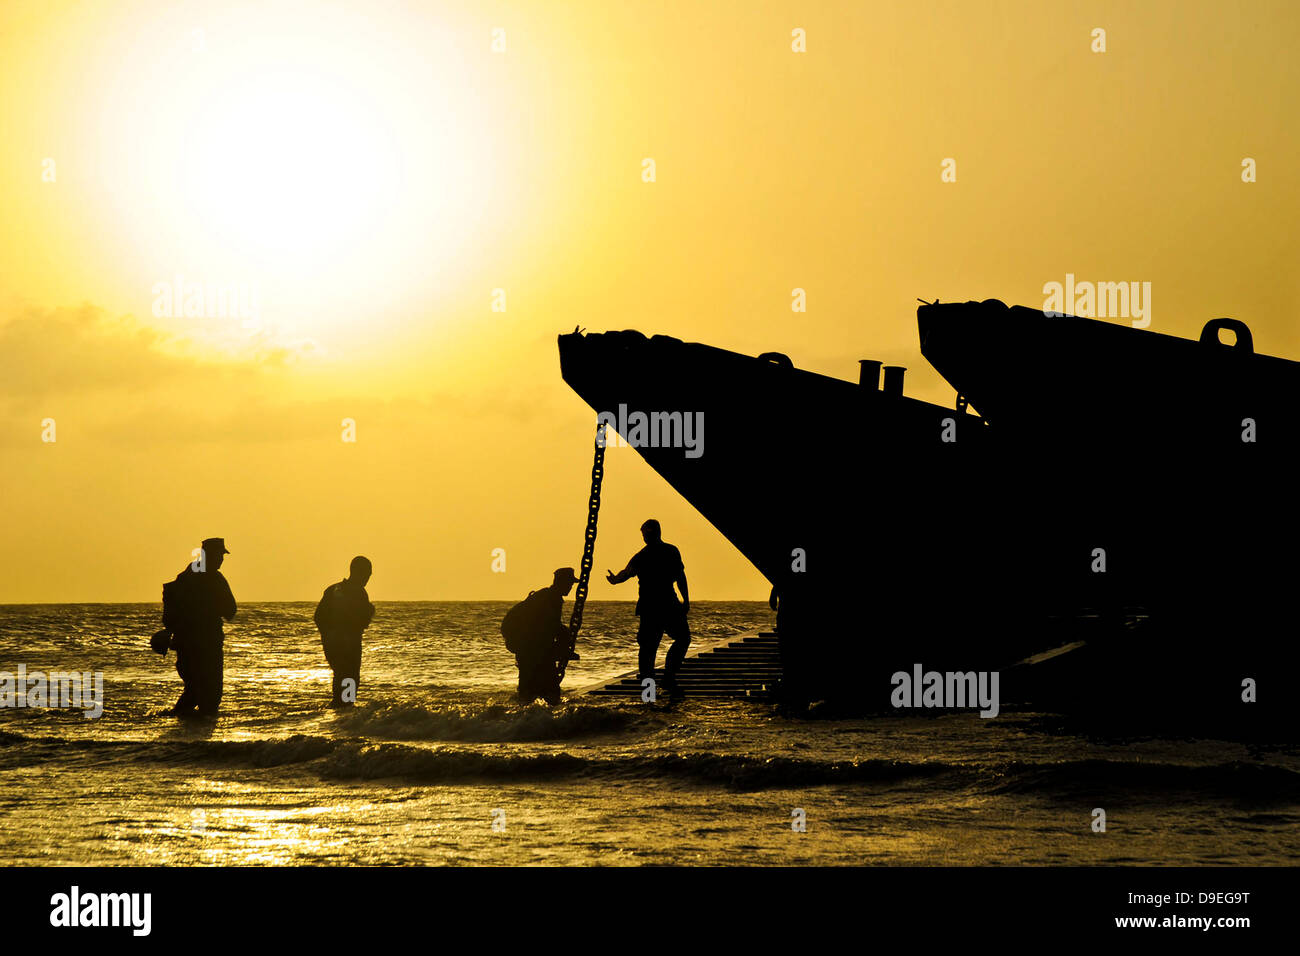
<point>541,640</point>
<point>343,613</point>
<point>657,567</point>
<point>193,607</point>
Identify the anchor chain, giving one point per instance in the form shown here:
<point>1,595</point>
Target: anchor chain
<point>588,541</point>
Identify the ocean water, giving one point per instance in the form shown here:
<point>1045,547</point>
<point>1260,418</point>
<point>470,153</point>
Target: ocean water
<point>439,765</point>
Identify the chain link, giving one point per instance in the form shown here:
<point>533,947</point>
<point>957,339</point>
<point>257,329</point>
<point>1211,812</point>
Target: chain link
<point>588,541</point>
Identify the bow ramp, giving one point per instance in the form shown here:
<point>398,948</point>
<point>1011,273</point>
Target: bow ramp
<point>749,666</point>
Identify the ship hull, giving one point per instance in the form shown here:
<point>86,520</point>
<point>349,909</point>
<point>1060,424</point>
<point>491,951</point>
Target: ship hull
<point>897,531</point>
<point>844,497</point>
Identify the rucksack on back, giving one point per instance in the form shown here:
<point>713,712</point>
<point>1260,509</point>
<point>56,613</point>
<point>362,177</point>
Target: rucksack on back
<point>174,605</point>
<point>522,624</point>
<point>325,610</point>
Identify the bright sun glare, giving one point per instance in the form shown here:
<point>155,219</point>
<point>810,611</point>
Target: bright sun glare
<point>293,166</point>
<point>331,159</point>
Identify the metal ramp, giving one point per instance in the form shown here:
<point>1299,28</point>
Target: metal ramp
<point>746,667</point>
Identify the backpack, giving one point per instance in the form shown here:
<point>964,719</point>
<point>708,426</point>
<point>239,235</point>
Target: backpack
<point>175,605</point>
<point>325,610</point>
<point>524,625</point>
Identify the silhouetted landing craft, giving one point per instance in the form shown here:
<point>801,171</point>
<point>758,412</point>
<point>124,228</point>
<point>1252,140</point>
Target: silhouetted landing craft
<point>1106,468</point>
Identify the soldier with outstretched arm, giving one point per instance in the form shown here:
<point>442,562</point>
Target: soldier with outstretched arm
<point>657,567</point>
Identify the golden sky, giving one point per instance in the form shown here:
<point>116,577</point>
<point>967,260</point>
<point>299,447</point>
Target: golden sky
<point>369,173</point>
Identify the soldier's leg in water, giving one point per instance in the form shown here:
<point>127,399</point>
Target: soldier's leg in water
<point>559,656</point>
<point>335,657</point>
<point>218,674</point>
<point>648,636</point>
<point>527,679</point>
<point>210,677</point>
<point>352,669</point>
<point>189,698</point>
<point>538,678</point>
<point>680,633</point>
<point>550,677</point>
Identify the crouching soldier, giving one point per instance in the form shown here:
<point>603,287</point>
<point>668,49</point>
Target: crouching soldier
<point>536,635</point>
<point>343,613</point>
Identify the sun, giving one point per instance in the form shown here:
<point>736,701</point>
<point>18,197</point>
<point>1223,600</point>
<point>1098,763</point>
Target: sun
<point>293,167</point>
<point>337,160</point>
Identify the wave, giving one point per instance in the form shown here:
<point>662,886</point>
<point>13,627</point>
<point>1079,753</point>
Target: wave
<point>739,772</point>
<point>19,751</point>
<point>1099,776</point>
<point>493,723</point>
<point>376,761</point>
<point>350,759</point>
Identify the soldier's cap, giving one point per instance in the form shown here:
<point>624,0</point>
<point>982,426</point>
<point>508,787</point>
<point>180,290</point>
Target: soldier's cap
<point>565,576</point>
<point>214,546</point>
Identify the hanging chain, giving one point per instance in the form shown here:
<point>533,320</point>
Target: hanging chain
<point>589,539</point>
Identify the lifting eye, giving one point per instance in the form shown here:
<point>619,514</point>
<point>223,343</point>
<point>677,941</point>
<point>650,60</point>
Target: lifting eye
<point>776,358</point>
<point>1241,337</point>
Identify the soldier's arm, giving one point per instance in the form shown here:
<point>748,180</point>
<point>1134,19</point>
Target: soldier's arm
<point>318,617</point>
<point>681,583</point>
<point>622,576</point>
<point>226,600</point>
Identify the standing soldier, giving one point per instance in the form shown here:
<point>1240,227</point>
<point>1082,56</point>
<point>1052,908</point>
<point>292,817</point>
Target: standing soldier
<point>657,567</point>
<point>193,607</point>
<point>343,613</point>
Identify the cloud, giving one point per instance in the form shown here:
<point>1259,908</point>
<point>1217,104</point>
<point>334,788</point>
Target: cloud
<point>121,381</point>
<point>83,350</point>
<point>58,351</point>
